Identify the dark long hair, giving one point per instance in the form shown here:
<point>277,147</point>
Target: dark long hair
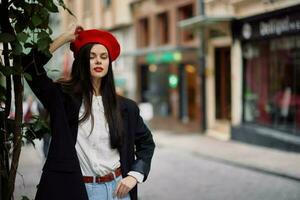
<point>80,84</point>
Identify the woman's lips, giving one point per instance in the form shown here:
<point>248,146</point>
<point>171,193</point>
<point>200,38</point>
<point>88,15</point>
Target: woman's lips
<point>98,69</point>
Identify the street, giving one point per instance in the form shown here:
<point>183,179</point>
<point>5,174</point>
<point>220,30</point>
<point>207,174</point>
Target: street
<point>181,174</point>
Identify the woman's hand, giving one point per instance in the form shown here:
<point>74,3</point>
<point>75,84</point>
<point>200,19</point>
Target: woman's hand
<point>124,186</point>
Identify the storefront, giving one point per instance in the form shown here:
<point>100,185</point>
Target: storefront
<point>169,81</point>
<point>270,46</point>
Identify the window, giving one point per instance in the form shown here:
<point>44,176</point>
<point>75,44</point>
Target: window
<point>272,84</point>
<point>163,28</point>
<point>143,32</point>
<point>186,12</point>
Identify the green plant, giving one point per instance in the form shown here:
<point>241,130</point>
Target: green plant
<point>24,25</point>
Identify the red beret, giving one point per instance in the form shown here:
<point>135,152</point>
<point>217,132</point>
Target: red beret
<point>96,36</point>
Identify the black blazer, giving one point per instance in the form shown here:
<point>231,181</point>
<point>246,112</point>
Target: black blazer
<point>62,178</point>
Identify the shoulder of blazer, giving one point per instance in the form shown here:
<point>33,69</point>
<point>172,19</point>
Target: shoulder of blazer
<point>127,104</point>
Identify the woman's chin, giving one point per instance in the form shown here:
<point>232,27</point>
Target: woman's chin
<point>98,76</point>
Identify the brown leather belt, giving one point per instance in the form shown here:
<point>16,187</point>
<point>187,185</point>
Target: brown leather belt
<point>101,179</point>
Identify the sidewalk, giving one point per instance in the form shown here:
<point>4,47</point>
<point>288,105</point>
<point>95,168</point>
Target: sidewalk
<point>267,160</point>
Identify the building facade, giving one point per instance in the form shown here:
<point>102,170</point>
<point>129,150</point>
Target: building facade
<point>251,70</point>
<point>167,59</point>
<point>271,87</point>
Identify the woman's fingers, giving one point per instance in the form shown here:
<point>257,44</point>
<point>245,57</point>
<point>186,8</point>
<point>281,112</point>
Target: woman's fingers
<point>123,190</point>
<point>78,29</point>
<point>124,186</point>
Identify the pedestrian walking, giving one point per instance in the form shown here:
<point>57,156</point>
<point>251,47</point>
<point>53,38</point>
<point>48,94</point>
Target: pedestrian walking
<point>100,146</point>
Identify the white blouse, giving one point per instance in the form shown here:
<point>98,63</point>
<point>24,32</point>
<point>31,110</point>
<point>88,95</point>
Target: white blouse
<point>93,149</point>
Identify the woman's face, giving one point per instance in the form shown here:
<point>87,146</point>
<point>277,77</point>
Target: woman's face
<point>99,61</point>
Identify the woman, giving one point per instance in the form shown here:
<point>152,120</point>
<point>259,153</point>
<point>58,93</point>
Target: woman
<point>100,147</point>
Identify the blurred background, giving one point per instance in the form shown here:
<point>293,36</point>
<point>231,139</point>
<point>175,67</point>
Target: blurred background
<point>218,83</point>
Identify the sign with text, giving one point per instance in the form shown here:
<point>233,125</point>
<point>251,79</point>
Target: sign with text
<point>273,24</point>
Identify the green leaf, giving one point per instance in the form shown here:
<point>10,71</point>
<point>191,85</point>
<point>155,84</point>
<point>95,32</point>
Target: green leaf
<point>44,14</point>
<point>43,34</point>
<point>22,37</point>
<point>50,31</point>
<point>17,49</point>
<point>20,25</point>
<point>43,44</point>
<point>28,76</point>
<point>62,4</point>
<point>31,26</point>
<point>28,8</point>
<point>36,20</point>
<point>36,128</point>
<point>6,37</point>
<point>47,53</point>
<point>51,6</point>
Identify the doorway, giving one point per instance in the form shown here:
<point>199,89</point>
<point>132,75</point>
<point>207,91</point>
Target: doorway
<point>191,87</point>
<point>223,83</point>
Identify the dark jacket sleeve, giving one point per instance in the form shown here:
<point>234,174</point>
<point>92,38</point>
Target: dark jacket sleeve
<point>144,146</point>
<point>42,86</point>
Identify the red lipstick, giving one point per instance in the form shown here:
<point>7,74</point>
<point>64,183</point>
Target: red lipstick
<point>98,69</point>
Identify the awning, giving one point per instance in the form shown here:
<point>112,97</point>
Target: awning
<point>203,21</point>
<point>160,49</point>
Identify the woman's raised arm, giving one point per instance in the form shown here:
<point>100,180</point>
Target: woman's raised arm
<point>61,40</point>
<point>43,87</point>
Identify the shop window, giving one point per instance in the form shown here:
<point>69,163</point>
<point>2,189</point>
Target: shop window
<point>143,32</point>
<point>186,12</point>
<point>272,84</point>
<point>163,29</point>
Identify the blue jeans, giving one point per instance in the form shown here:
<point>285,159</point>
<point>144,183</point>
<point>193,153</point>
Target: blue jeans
<point>104,191</point>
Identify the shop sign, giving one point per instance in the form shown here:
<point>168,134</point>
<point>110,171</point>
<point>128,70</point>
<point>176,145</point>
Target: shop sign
<point>269,25</point>
<point>166,57</point>
<point>278,26</point>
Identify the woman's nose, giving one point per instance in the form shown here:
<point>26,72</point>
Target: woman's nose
<point>98,60</point>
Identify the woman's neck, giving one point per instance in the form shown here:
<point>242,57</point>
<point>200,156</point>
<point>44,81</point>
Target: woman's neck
<point>96,85</point>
